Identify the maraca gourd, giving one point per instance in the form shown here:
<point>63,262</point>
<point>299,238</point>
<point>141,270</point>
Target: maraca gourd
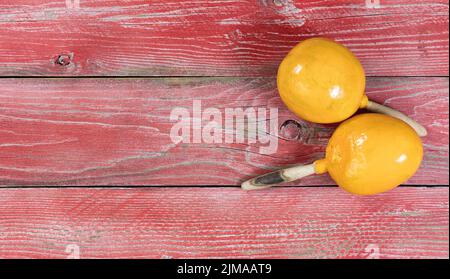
<point>367,154</point>
<point>323,82</point>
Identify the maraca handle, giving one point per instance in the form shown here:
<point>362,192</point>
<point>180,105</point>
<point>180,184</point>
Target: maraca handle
<point>284,175</point>
<point>375,107</point>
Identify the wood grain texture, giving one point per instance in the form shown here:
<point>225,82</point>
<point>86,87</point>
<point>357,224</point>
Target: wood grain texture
<point>410,222</point>
<point>116,131</point>
<point>226,38</point>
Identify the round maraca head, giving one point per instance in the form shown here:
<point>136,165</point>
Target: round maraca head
<point>373,153</point>
<point>322,81</point>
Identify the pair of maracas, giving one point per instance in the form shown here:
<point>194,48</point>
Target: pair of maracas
<point>322,81</point>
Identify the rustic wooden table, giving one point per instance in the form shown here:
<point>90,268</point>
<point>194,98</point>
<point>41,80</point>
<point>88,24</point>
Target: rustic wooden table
<point>88,167</point>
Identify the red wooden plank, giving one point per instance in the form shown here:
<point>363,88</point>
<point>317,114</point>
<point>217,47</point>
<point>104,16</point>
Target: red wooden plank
<point>238,38</point>
<point>117,131</point>
<point>223,223</point>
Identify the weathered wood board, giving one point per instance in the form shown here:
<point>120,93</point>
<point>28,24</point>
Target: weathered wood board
<point>210,38</point>
<point>117,131</point>
<point>408,222</point>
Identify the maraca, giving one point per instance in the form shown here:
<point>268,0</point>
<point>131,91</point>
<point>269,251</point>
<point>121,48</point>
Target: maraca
<point>367,154</point>
<point>322,81</point>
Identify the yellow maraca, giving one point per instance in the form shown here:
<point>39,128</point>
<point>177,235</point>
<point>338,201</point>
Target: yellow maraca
<point>322,81</point>
<point>367,154</point>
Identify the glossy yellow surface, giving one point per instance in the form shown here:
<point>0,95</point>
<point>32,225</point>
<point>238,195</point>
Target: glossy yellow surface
<point>372,153</point>
<point>322,81</point>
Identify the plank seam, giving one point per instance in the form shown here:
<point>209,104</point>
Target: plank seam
<point>187,77</point>
<point>193,186</point>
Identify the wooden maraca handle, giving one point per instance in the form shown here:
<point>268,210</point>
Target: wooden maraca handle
<point>375,107</point>
<point>284,175</point>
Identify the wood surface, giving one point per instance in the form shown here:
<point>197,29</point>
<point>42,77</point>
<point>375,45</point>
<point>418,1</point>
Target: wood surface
<point>410,222</point>
<point>116,131</point>
<point>210,38</point>
<point>130,63</point>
